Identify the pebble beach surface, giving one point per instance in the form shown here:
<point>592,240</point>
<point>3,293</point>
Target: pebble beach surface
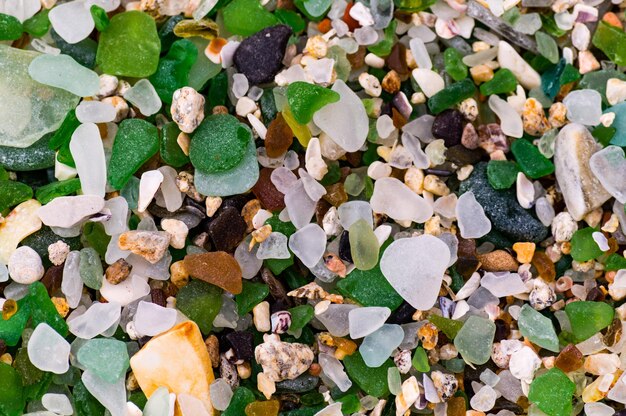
<point>312,207</point>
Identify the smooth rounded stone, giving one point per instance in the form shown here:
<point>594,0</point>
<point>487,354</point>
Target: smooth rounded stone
<point>57,403</point>
<point>331,119</point>
<point>581,189</point>
<point>118,223</point>
<point>428,80</point>
<point>309,244</point>
<point>178,360</point>
<point>510,121</point>
<point>335,319</point>
<point>96,320</point>
<point>378,346</point>
<point>130,46</point>
<point>471,217</point>
<point>364,247</point>
<point>584,107</point>
<point>48,351</point>
<point>503,284</point>
<point>259,57</point>
<point>352,211</point>
<point>300,206</point>
<point>160,403</point>
<point>508,58</point>
<point>364,321</point>
<point>415,267</point>
<point>106,358</point>
<point>111,395</point>
<point>88,154</point>
<point>152,319</point>
<point>233,182</point>
<point>334,370</point>
<point>420,53</point>
<point>90,268</point>
<point>149,184</point>
<point>62,71</point>
<point>132,288</point>
<point>274,247</point>
<point>221,394</point>
<point>398,201</point>
<point>502,208</point>
<point>474,340</point>
<point>72,284</point>
<point>218,268</point>
<point>25,266</point>
<point>19,224</point>
<point>609,167</point>
<point>537,328</point>
<point>67,211</point>
<point>248,261</point>
<point>143,96</point>
<point>95,112</point>
<point>4,273</point>
<point>72,21</point>
<point>28,109</point>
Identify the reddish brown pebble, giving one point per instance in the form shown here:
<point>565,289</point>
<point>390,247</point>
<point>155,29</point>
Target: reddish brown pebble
<point>279,137</point>
<point>544,266</point>
<point>498,261</point>
<point>271,198</point>
<point>569,359</point>
<point>118,271</point>
<point>218,268</point>
<point>397,60</point>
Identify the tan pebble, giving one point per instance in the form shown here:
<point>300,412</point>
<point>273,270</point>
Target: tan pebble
<point>151,245</point>
<point>480,46</point>
<point>418,98</point>
<point>61,306</point>
<point>498,261</point>
<point>594,217</point>
<point>244,371</point>
<point>118,271</point>
<point>469,109</point>
<point>525,251</point>
<point>310,291</point>
<point>391,82</point>
<point>282,360</point>
<point>219,109</point>
<point>213,347</point>
<point>179,275</point>
<point>414,179</point>
<point>464,172</point>
<point>19,224</point>
<point>131,382</point>
<point>262,233</point>
<point>611,225</point>
<point>249,211</point>
<point>428,335</point>
<point>184,141</point>
<point>587,62</point>
<point>435,185</point>
<point>261,317</point>
<point>316,46</point>
<point>557,115</point>
<point>370,84</point>
<point>481,73</point>
<point>212,204</point>
<point>534,118</point>
<point>120,105</point>
<point>432,226</point>
<point>57,252</point>
<point>6,358</point>
<point>265,385</point>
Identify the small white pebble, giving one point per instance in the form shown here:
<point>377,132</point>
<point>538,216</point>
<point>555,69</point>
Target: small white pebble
<point>370,84</point>
<point>57,252</point>
<point>374,61</point>
<point>601,241</point>
<point>177,230</point>
<point>245,106</point>
<point>25,266</point>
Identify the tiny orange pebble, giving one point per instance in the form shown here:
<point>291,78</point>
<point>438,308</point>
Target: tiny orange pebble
<point>324,25</point>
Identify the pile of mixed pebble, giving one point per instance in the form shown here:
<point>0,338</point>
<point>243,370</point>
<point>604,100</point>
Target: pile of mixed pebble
<point>312,207</point>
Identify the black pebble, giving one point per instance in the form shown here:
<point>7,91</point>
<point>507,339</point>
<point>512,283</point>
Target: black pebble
<point>448,125</point>
<point>344,247</point>
<point>227,230</point>
<point>243,344</point>
<point>260,56</point>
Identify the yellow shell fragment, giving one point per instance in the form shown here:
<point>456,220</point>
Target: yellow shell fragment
<point>204,28</point>
<point>177,359</point>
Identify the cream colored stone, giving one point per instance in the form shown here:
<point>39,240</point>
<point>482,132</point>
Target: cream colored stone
<point>282,360</point>
<point>19,224</point>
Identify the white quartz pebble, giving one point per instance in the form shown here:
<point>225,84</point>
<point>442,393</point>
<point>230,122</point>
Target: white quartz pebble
<point>366,320</point>
<point>584,107</point>
<point>415,267</point>
<point>420,54</point>
<point>152,319</point>
<point>609,167</point>
<point>508,58</point>
<point>67,211</point>
<point>88,153</point>
<point>308,244</point>
<point>299,205</point>
<point>352,211</point>
<point>335,318</point>
<point>471,217</point>
<point>143,96</point>
<point>398,201</point>
<point>72,21</point>
<point>510,121</point>
<point>148,186</point>
<point>133,288</point>
<point>249,263</point>
<point>332,119</point>
<point>72,283</point>
<point>25,266</point>
<point>429,81</point>
<point>333,368</point>
<point>96,320</point>
<point>503,284</point>
<point>48,351</point>
<point>273,247</point>
<point>171,194</point>
<point>118,223</point>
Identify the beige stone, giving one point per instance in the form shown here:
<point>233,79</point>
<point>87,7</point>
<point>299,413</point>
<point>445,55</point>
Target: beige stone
<point>19,224</point>
<point>177,359</point>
